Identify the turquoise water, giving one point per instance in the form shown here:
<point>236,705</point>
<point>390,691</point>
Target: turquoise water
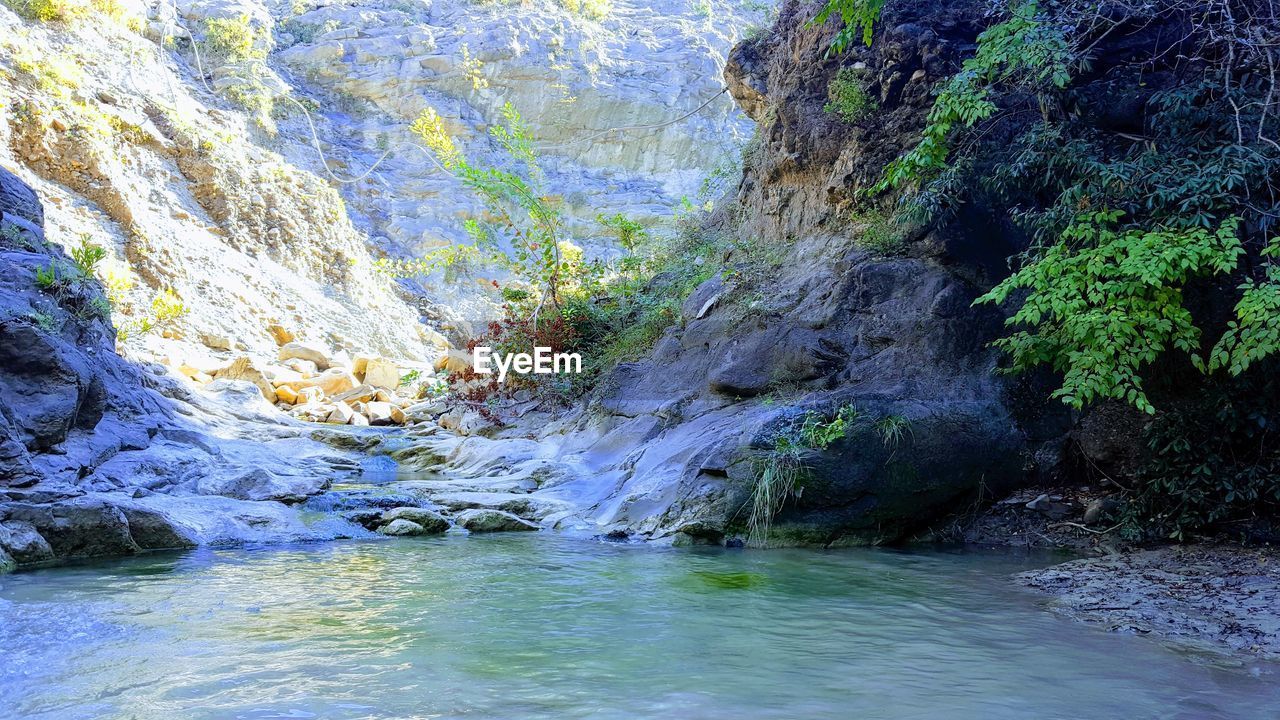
<point>542,626</point>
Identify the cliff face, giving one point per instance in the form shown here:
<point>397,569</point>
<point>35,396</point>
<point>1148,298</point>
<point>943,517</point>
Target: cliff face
<point>815,312</point>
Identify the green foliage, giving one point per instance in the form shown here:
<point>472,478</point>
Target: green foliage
<point>166,308</point>
<point>857,19</point>
<point>1214,461</point>
<point>848,97</point>
<point>44,320</point>
<point>628,233</point>
<point>1103,303</point>
<point>233,39</point>
<point>879,232</point>
<point>86,256</point>
<point>1254,334</point>
<point>522,226</point>
<point>1022,51</point>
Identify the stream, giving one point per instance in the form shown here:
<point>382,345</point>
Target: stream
<point>543,625</point>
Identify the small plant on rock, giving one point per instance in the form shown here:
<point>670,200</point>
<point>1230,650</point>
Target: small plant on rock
<point>848,97</point>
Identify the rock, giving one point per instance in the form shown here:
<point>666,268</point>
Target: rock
<point>359,419</point>
<point>305,367</point>
<point>380,372</point>
<point>402,527</point>
<point>23,543</point>
<point>83,527</point>
<point>453,361</point>
<point>362,393</point>
<point>384,413</point>
<point>307,395</point>
<point>429,520</point>
<point>215,341</point>
<point>154,530</point>
<point>482,520</point>
<point>331,382</point>
<point>1100,509</point>
<point>305,351</point>
<point>287,395</point>
<point>425,410</point>
<point>280,334</point>
<point>262,484</point>
<point>342,413</point>
<point>242,368</point>
<point>359,362</point>
<point>1048,507</point>
<point>7,563</point>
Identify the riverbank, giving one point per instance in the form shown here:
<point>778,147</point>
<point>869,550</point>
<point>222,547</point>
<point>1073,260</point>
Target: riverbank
<point>1217,599</point>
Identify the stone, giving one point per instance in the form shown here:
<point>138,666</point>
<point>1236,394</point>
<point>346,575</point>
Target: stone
<point>429,520</point>
<point>23,543</point>
<point>359,419</point>
<point>280,334</point>
<point>154,530</point>
<point>382,373</point>
<point>359,362</point>
<point>361,393</point>
<point>287,395</point>
<point>307,395</point>
<point>82,527</point>
<point>305,367</point>
<point>194,374</point>
<point>342,413</point>
<point>305,351</point>
<point>331,382</point>
<point>484,520</point>
<point>1099,509</point>
<point>384,413</point>
<point>454,361</point>
<point>261,484</point>
<point>402,528</point>
<point>242,368</point>
<point>216,341</point>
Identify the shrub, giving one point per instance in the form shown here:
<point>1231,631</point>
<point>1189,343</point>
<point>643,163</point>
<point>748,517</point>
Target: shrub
<point>848,97</point>
<point>1214,463</point>
<point>86,256</point>
<point>233,39</point>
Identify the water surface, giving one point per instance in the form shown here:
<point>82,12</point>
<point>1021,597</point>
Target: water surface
<point>531,626</point>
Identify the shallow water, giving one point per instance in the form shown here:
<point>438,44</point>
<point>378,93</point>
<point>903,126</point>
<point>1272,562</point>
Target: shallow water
<point>542,626</point>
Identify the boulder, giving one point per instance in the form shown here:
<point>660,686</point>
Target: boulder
<point>305,367</point>
<point>332,382</point>
<point>154,530</point>
<point>485,520</point>
<point>81,527</point>
<point>342,413</point>
<point>361,393</point>
<point>287,395</point>
<point>261,484</point>
<point>21,542</point>
<point>402,527</point>
<point>305,351</point>
<point>359,419</point>
<point>429,520</point>
<point>216,341</point>
<point>384,413</point>
<point>242,368</point>
<point>382,373</point>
